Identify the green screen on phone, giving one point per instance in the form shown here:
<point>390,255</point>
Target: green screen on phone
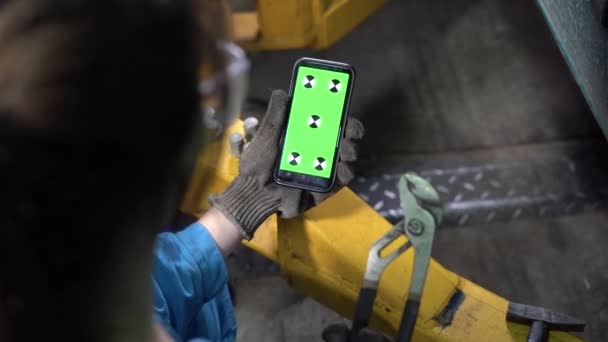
<point>315,118</point>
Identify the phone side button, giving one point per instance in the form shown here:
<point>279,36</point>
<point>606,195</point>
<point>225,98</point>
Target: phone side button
<point>339,137</point>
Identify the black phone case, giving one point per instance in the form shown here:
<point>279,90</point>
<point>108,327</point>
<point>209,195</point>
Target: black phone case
<point>328,64</point>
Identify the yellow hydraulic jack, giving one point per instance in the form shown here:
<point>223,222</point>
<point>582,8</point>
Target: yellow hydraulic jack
<point>324,254</point>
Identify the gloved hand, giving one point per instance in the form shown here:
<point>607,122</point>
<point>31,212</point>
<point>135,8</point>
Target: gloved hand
<point>341,333</point>
<point>253,195</point>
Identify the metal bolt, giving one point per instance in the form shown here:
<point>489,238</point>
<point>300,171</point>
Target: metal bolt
<point>213,127</point>
<point>237,144</point>
<point>415,227</point>
<point>251,127</point>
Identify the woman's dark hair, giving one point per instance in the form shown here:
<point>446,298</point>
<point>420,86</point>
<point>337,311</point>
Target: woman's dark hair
<point>98,113</point>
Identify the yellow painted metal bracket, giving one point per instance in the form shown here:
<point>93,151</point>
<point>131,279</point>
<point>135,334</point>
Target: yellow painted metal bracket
<point>287,24</point>
<point>323,254</point>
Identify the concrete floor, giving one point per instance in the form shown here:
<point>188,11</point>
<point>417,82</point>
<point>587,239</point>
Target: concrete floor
<point>449,75</point>
<point>437,76</point>
<point>559,263</point>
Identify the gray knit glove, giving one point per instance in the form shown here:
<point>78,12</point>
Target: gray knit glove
<point>253,195</point>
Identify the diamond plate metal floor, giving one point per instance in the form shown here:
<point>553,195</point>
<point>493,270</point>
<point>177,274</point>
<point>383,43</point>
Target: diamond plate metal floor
<point>497,185</point>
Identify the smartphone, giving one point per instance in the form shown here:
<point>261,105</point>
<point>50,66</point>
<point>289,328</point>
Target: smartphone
<point>319,97</point>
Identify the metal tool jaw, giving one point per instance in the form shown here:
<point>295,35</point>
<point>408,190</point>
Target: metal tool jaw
<point>422,213</point>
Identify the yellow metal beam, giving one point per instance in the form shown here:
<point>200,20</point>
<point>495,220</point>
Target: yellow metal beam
<point>246,26</point>
<point>340,17</point>
<point>288,24</point>
<point>323,254</point>
<point>283,25</point>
